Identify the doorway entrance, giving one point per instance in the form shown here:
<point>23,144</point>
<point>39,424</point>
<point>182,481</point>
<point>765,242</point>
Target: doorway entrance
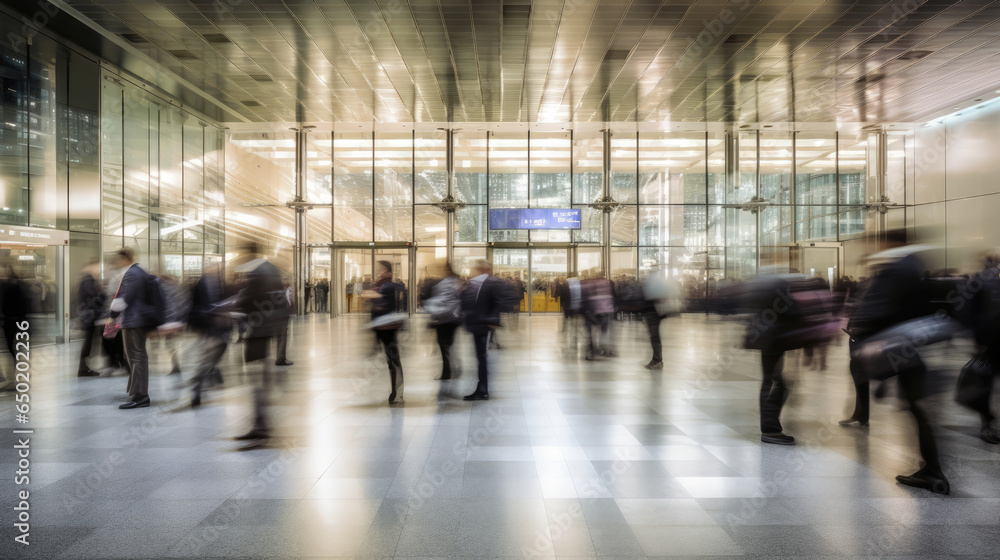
<point>354,272</point>
<point>537,273</point>
<point>823,261</point>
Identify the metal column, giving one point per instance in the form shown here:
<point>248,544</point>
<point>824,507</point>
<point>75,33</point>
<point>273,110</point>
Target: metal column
<point>606,195</point>
<point>301,237</point>
<point>450,157</point>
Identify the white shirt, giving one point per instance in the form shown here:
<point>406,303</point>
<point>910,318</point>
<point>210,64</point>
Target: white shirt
<point>477,283</point>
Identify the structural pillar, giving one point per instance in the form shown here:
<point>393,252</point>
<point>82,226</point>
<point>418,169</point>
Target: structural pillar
<point>450,159</point>
<point>299,257</point>
<point>606,212</point>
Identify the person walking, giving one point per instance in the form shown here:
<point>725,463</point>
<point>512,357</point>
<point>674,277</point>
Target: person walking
<point>445,308</point>
<point>90,301</point>
<point>210,321</point>
<point>386,325</point>
<point>485,298</point>
<point>137,315</point>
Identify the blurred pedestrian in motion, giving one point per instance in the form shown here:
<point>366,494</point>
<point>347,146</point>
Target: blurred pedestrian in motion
<point>177,308</point>
<point>209,319</point>
<point>445,308</point>
<point>114,345</point>
<point>281,342</point>
<point>137,309</point>
<point>975,384</point>
<point>322,295</point>
<point>308,290</point>
<point>663,298</point>
<point>896,309</point>
<point>598,309</point>
<point>262,298</point>
<point>571,300</point>
<point>818,308</point>
<point>483,300</point>
<point>386,323</point>
<point>90,301</point>
<point>14,305</point>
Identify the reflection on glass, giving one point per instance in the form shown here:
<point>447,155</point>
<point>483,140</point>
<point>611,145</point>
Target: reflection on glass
<point>682,225</point>
<point>776,167</point>
<point>550,167</point>
<point>470,167</point>
<point>815,168</point>
<point>431,164</point>
<point>745,186</point>
<point>471,224</point>
<point>671,168</point>
<point>623,167</point>
<point>393,187</point>
<point>853,165</point>
<point>352,186</point>
<point>588,166</point>
<point>624,226</point>
<point>716,169</point>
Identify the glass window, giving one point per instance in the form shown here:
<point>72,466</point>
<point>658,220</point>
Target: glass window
<point>14,132</point>
<point>815,168</point>
<point>111,160</point>
<point>681,225</point>
<point>508,164</point>
<point>671,168</point>
<point>393,187</point>
<point>776,225</point>
<point>352,186</point>
<point>471,224</point>
<point>817,223</point>
<point>624,183</point>
<point>776,167</point>
<point>588,166</point>
<point>430,225</point>
<point>591,226</point>
<point>319,187</point>
<point>716,169</point>
<point>852,165</point>
<point>470,167</point>
<point>624,229</point>
<point>431,167</point>
<point>550,169</point>
<point>135,148</point>
<point>43,137</point>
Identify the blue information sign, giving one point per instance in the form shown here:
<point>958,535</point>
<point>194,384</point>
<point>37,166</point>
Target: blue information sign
<point>534,218</point>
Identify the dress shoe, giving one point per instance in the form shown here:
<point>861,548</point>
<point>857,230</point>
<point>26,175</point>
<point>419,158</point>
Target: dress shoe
<point>87,373</point>
<point>926,482</point>
<point>196,401</point>
<point>777,439</point>
<point>395,398</point>
<point>283,363</point>
<point>136,402</point>
<point>477,396</point>
<point>443,377</point>
<point>989,435</point>
<point>654,365</point>
<point>853,423</point>
<point>253,434</point>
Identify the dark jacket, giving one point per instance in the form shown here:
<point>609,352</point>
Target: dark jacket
<point>90,300</point>
<point>483,310</point>
<point>134,289</point>
<point>896,294</point>
<point>263,300</point>
<point>206,316</point>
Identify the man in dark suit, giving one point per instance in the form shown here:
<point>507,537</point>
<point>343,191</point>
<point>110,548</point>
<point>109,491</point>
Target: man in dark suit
<point>90,301</point>
<point>137,315</point>
<point>265,303</point>
<point>483,300</point>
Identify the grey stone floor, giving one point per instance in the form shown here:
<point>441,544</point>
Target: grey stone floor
<point>571,459</point>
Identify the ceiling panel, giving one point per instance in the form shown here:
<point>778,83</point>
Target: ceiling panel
<point>568,60</point>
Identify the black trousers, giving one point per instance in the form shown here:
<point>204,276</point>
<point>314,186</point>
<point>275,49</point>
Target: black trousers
<point>390,343</point>
<point>653,320</point>
<point>445,339</point>
<point>85,350</point>
<point>862,398</point>
<point>481,339</point>
<point>773,392</point>
<point>912,381</point>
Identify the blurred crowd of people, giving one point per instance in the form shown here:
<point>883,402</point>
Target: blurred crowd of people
<point>888,317</point>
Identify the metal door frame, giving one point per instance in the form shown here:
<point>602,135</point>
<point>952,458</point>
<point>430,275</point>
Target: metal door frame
<point>571,265</point>
<point>335,268</point>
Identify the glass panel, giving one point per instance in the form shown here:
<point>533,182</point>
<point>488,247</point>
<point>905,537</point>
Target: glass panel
<point>111,160</point>
<point>588,166</point>
<point>319,187</point>
<point>14,132</point>
<point>429,261</point>
<point>135,146</point>
<point>548,269</point>
<point>508,170</point>
<point>776,225</point>
<point>745,187</point>
<point>588,261</point>
<point>393,187</point>
<point>591,226</point>
<point>355,277</point>
<point>471,224</point>
<point>194,197</point>
<point>431,225</point>
<point>716,169</point>
<point>815,168</point>
<point>624,264</point>
<point>672,225</point>
<point>852,223</point>
<point>776,167</point>
<point>671,168</point>
<point>42,136</point>
<point>817,223</point>
<point>715,233</point>
<point>470,167</point>
<point>895,175</point>
<point>83,139</point>
<point>171,193</point>
<point>741,241</point>
<point>352,187</point>
<point>431,167</point>
<point>623,167</point>
<point>84,250</point>
<point>775,260</point>
<point>852,166</point>
<point>550,166</point>
<point>624,228</point>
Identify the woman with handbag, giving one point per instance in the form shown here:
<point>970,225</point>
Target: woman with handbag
<point>385,323</point>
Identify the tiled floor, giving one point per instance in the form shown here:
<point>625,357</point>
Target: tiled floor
<point>570,459</point>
